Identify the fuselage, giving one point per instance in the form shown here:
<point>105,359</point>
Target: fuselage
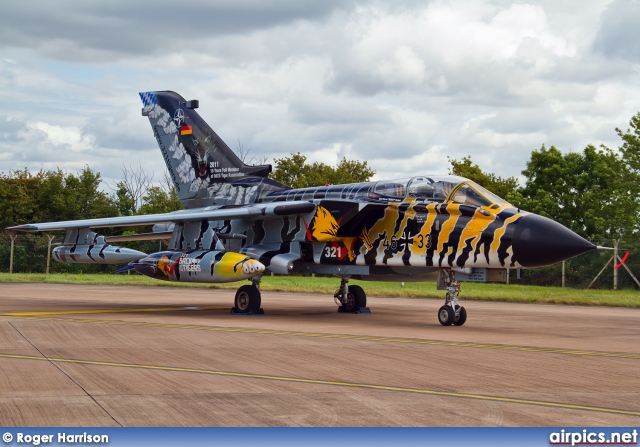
<point>415,224</point>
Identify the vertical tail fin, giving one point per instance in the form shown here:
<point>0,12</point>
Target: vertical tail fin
<point>204,170</point>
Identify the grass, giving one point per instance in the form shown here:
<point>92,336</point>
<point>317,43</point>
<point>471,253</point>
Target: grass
<point>325,285</point>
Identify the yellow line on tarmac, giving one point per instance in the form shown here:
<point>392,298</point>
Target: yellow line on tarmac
<point>330,382</point>
<point>414,341</point>
<point>109,311</point>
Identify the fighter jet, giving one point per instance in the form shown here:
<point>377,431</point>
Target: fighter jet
<point>238,223</point>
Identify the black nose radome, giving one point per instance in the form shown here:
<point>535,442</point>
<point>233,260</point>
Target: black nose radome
<point>538,241</point>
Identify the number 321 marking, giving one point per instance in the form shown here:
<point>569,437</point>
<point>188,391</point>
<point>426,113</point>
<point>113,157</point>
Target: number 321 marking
<point>333,252</point>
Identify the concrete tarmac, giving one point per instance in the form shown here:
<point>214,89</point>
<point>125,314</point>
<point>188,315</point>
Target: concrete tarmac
<point>80,355</point>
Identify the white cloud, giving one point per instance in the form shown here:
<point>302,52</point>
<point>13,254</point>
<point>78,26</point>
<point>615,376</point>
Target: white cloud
<point>400,85</point>
<point>443,48</point>
<point>69,138</point>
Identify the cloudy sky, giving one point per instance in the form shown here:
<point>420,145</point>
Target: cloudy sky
<point>401,84</point>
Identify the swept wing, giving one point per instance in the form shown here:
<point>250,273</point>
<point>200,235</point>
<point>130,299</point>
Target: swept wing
<point>258,211</point>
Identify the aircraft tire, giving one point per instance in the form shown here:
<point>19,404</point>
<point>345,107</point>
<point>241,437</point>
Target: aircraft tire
<point>446,315</point>
<point>356,298</point>
<point>248,299</point>
<point>462,317</point>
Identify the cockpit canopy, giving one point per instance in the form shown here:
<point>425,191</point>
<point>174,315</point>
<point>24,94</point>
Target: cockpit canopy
<point>442,188</point>
<point>450,188</point>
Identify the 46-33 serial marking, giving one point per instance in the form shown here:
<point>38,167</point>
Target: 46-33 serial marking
<point>419,240</point>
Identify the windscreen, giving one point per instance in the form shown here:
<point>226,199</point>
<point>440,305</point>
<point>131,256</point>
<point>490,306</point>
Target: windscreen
<point>470,193</point>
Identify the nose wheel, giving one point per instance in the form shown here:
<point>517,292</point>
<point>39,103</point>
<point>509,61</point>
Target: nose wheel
<point>452,312</point>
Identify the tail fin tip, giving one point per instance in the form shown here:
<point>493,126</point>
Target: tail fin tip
<point>148,98</point>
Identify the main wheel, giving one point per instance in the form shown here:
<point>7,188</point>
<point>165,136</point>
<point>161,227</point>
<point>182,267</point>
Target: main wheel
<point>247,299</point>
<point>461,317</point>
<point>446,315</point>
<point>356,298</point>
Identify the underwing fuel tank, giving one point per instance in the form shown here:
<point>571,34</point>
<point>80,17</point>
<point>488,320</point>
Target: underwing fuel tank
<point>212,266</point>
<point>96,254</point>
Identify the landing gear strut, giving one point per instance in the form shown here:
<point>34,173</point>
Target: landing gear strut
<point>351,299</point>
<point>452,312</point>
<point>248,299</point>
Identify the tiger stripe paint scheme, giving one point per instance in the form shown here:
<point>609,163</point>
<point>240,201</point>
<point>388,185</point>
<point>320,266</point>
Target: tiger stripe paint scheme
<point>408,233</point>
<point>440,235</point>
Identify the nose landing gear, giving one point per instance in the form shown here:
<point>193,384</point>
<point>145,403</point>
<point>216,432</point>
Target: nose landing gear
<point>452,312</point>
<point>351,299</point>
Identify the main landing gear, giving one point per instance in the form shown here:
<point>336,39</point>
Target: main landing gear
<point>452,312</point>
<point>351,299</point>
<point>248,299</point>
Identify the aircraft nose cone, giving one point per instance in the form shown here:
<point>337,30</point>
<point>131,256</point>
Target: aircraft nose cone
<point>538,241</point>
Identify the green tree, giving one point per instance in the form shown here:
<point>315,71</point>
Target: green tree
<point>52,196</point>
<point>71,196</point>
<point>585,191</point>
<point>351,171</point>
<point>53,203</point>
<point>503,187</point>
<point>47,196</point>
<point>157,200</point>
<point>630,148</point>
<point>630,151</point>
<point>93,202</point>
<point>124,201</point>
<point>18,192</point>
<point>295,172</point>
